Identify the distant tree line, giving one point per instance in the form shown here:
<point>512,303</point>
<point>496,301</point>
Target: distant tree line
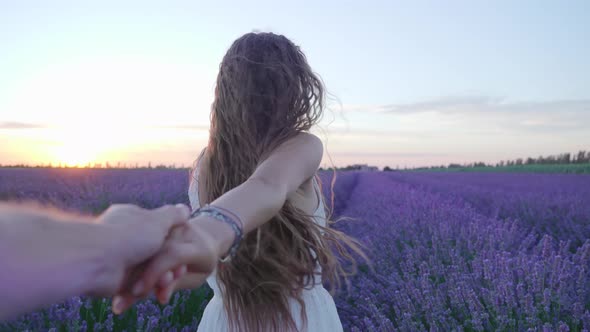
<point>582,157</point>
<point>355,167</point>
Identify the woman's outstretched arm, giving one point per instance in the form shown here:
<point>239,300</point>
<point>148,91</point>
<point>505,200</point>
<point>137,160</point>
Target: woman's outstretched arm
<point>47,256</point>
<point>201,242</point>
<point>263,195</point>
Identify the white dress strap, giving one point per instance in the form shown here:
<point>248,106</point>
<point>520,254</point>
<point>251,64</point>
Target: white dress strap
<point>316,187</point>
<point>193,189</point>
<point>199,159</point>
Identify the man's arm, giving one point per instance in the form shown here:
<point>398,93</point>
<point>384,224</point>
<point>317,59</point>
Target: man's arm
<point>47,256</point>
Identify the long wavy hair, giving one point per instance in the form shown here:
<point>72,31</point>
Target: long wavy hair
<point>266,93</point>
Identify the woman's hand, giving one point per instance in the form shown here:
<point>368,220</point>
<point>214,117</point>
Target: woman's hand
<point>188,257</point>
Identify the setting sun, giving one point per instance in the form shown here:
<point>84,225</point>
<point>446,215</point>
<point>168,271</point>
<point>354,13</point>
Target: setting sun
<point>74,155</point>
<point>76,148</point>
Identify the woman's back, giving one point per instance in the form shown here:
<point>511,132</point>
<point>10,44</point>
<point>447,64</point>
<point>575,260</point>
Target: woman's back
<point>319,305</point>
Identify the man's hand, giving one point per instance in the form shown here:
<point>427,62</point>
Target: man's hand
<point>47,256</point>
<point>138,234</point>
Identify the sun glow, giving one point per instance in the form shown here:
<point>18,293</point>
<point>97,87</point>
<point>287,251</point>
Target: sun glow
<point>102,109</point>
<point>73,156</point>
<point>79,146</point>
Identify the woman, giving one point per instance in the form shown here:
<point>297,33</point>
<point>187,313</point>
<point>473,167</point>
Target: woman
<point>260,166</point>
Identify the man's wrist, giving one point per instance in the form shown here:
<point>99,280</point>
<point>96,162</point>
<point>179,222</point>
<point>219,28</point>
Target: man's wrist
<point>103,261</point>
<point>79,251</point>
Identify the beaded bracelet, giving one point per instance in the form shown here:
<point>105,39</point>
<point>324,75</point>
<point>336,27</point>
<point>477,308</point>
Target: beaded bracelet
<point>217,213</point>
<point>228,211</point>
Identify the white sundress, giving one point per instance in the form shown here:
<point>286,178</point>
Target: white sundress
<point>320,308</point>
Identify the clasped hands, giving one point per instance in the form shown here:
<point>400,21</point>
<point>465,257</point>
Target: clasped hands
<point>157,252</point>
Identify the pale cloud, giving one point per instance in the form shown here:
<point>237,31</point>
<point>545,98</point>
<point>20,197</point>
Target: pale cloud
<point>465,104</point>
<point>20,125</point>
<point>448,104</point>
<point>391,154</point>
<point>485,112</point>
<point>183,127</point>
<point>335,131</point>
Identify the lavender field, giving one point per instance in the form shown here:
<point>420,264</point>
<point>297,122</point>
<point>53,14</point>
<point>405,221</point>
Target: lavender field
<point>450,251</point>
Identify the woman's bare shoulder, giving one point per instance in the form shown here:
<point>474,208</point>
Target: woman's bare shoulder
<point>292,163</point>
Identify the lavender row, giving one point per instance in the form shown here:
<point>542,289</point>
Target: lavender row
<point>441,265</point>
<point>93,190</point>
<point>555,204</point>
<point>344,184</point>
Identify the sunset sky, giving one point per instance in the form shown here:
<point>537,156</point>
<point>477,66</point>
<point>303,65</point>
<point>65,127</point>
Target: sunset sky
<point>412,83</point>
